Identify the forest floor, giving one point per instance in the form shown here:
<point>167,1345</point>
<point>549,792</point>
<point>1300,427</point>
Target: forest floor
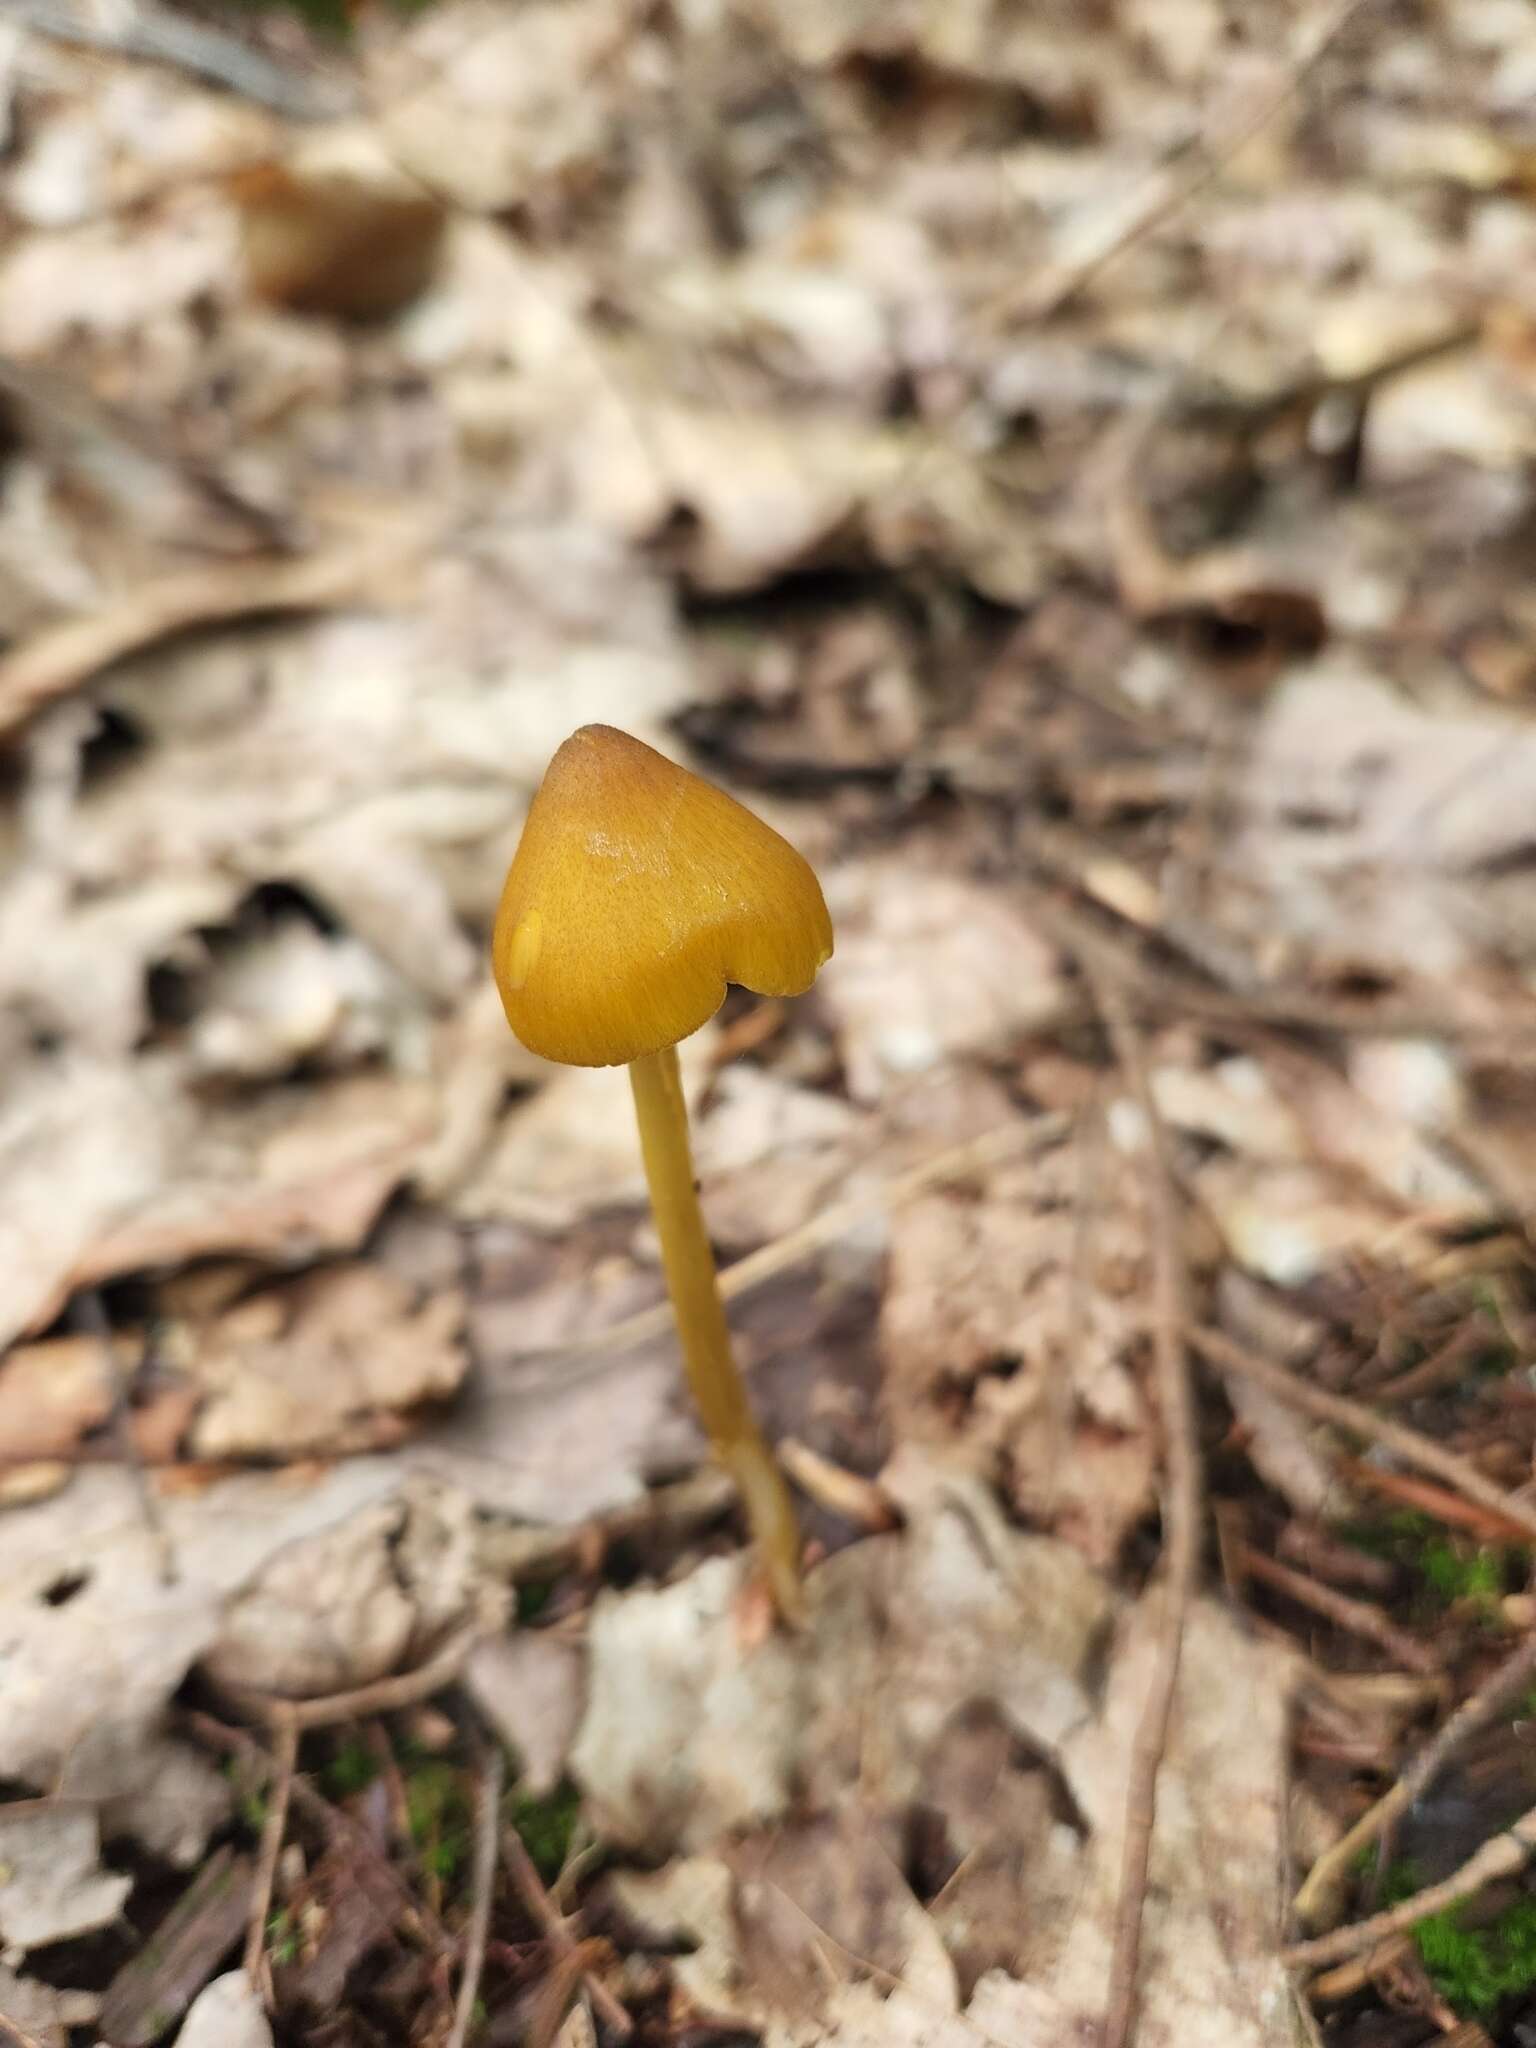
<point>1072,469</point>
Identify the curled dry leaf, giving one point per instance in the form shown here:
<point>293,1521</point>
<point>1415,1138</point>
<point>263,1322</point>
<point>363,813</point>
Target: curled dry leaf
<point>348,1605</point>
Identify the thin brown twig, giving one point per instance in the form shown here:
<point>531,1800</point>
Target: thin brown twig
<point>487,1825</point>
<point>542,1908</point>
<point>1358,1617</point>
<point>1181,1511</point>
<point>849,1495</point>
<point>1501,1856</point>
<point>1475,1712</point>
<point>1488,1525</point>
<point>1171,193</point>
<point>383,1696</point>
<point>236,1742</point>
<point>1420,1451</point>
<point>273,1828</point>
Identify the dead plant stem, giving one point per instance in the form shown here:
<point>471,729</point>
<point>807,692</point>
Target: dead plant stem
<point>1182,1491</point>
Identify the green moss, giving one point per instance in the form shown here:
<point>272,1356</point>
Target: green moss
<point>546,1826</point>
<point>1476,1968</point>
<point>1449,1570</point>
<point>282,1939</point>
<point>351,1769</point>
<point>438,1812</point>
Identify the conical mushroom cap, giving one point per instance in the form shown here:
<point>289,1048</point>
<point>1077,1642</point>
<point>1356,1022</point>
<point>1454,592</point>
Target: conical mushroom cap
<point>636,893</point>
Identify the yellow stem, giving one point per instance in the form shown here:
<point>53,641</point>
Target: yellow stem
<point>713,1377</point>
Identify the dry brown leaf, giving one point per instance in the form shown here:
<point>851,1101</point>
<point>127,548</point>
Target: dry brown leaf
<point>52,1394</point>
<point>1011,1327</point>
<point>351,1603</point>
<point>113,1169</point>
<point>321,1362</point>
<point>928,966</point>
<point>687,1736</point>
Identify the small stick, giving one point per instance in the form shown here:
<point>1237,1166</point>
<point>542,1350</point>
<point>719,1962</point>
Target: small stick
<point>530,1889</point>
<point>1414,1449</point>
<point>383,1696</point>
<point>1434,1500</point>
<point>1359,1617</point>
<point>1475,1712</point>
<point>273,1829</point>
<point>1345,1979</point>
<point>1501,1856</point>
<point>1181,1512</point>
<point>235,1742</point>
<point>487,1822</point>
<point>863,1502</point>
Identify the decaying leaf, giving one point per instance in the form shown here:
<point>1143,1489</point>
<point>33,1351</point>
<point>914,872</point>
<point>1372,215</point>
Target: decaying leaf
<point>52,1885</point>
<point>324,1361</point>
<point>929,966</point>
<point>340,1608</point>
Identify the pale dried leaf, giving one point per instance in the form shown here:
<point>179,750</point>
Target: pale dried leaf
<point>52,1885</point>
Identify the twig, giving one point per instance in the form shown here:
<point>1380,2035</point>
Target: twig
<point>90,1316</point>
<point>849,1495</point>
<point>1171,193</point>
<point>487,1823</point>
<point>1414,1449</point>
<point>1500,1857</point>
<point>1475,1712</point>
<point>1345,1979</point>
<point>1358,1617</point>
<point>272,1831</point>
<point>1486,1524</point>
<point>1181,1513</point>
<point>209,53</point>
<point>383,1696</point>
<point>236,1742</point>
<point>530,1889</point>
<point>60,656</point>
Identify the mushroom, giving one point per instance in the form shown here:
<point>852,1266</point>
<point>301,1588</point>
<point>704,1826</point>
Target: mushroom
<point>637,892</point>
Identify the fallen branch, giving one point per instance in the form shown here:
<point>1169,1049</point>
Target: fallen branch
<point>1490,1700</point>
<point>1505,1854</point>
<point>1414,1449</point>
<point>487,1823</point>
<point>1181,1513</point>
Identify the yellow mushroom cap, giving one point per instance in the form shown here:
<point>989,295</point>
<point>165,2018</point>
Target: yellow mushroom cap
<point>636,893</point>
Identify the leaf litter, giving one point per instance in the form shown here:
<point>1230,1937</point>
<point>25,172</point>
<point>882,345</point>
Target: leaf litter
<point>1072,477</point>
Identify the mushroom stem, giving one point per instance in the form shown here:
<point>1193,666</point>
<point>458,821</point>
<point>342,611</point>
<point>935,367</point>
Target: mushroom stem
<point>713,1375</point>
